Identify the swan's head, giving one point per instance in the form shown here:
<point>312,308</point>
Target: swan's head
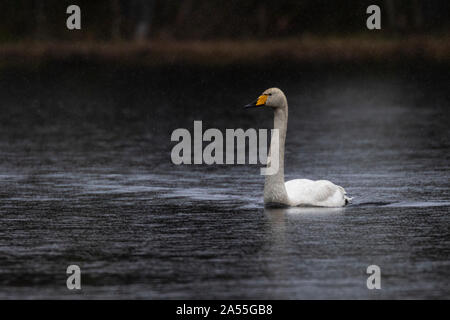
<point>272,97</point>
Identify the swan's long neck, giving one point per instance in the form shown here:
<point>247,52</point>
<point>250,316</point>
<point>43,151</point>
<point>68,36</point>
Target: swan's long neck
<point>274,187</point>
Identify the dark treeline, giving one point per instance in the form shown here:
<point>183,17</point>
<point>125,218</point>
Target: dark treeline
<point>207,19</point>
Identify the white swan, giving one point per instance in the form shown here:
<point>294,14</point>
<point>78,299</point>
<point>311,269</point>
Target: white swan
<point>298,192</point>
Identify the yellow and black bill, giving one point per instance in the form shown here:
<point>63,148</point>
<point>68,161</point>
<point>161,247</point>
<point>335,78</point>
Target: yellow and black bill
<point>260,102</point>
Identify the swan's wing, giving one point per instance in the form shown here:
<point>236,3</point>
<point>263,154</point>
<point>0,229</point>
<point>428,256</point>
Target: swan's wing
<point>316,193</point>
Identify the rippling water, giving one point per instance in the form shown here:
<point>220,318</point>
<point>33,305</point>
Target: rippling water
<point>86,179</point>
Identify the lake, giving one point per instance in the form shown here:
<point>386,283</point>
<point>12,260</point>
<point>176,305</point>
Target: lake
<point>86,178</point>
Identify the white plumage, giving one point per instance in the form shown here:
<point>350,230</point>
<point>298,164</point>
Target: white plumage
<point>321,193</point>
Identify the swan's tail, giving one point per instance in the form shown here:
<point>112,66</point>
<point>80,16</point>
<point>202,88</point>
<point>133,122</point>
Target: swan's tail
<point>346,198</point>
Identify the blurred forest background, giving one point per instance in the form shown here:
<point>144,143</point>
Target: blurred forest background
<point>227,28</point>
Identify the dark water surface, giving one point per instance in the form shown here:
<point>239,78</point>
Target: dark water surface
<point>86,178</point>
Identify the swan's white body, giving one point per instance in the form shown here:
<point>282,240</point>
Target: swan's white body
<point>298,192</point>
<point>321,193</point>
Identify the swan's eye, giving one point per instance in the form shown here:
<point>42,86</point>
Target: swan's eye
<point>269,94</point>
